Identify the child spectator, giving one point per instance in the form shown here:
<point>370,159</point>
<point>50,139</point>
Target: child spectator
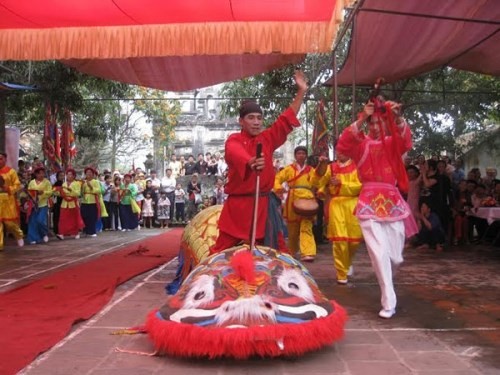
<point>204,204</point>
<point>180,202</point>
<point>431,233</point>
<point>163,210</point>
<point>147,210</point>
<point>194,194</point>
<point>219,194</point>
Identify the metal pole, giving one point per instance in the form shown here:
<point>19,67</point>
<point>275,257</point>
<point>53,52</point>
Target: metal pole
<point>335,100</point>
<point>353,46</point>
<point>335,109</point>
<point>307,126</point>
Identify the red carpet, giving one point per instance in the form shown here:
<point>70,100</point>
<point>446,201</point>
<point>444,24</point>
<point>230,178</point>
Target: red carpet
<point>35,317</point>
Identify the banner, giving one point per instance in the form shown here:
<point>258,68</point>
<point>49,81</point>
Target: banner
<point>320,138</point>
<point>12,136</point>
<point>68,146</point>
<point>51,142</point>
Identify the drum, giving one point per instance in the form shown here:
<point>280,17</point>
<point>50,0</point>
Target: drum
<point>305,207</point>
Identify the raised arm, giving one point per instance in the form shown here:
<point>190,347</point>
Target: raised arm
<point>301,82</point>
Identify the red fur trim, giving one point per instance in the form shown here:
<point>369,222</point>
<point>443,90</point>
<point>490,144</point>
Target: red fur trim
<point>244,266</point>
<point>187,340</point>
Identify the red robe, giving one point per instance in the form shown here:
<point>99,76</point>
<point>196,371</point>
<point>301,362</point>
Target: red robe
<point>236,216</point>
<point>379,199</point>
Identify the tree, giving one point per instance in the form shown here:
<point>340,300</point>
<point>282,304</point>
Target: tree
<point>61,87</point>
<point>162,114</point>
<point>440,105</point>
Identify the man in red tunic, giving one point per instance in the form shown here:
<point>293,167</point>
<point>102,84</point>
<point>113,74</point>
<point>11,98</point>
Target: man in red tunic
<point>243,165</point>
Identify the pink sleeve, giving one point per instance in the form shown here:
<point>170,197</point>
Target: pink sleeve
<point>350,142</point>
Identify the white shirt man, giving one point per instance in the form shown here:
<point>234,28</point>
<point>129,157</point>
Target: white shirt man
<point>168,185</point>
<point>168,182</point>
<point>155,182</point>
<point>221,166</point>
<point>176,166</point>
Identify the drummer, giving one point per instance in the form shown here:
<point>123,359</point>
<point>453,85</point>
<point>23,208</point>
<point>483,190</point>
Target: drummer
<point>298,176</point>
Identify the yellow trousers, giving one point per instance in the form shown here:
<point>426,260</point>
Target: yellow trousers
<point>301,238</point>
<point>12,227</point>
<point>343,254</point>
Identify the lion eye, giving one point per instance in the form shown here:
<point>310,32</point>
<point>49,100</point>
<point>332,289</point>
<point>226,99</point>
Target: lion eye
<point>199,296</point>
<point>293,286</point>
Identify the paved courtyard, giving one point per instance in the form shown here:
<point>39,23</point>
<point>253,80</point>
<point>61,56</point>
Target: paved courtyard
<point>448,318</point>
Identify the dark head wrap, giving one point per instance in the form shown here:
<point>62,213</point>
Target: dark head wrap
<point>249,106</point>
<point>300,148</point>
<point>39,169</point>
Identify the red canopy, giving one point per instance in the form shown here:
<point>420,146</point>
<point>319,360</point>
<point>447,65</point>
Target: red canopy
<point>174,45</point>
<point>398,39</point>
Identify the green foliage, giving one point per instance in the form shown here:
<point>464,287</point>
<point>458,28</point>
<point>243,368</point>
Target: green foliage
<point>440,106</point>
<point>162,114</point>
<point>63,87</point>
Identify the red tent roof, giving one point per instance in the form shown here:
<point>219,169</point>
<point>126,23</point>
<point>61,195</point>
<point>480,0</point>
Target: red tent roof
<point>175,45</point>
<point>398,39</point>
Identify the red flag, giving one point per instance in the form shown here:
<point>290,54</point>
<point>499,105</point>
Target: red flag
<point>68,147</point>
<point>320,138</point>
<point>51,144</point>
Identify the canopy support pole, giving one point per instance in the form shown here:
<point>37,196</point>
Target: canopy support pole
<point>335,100</point>
<point>354,48</point>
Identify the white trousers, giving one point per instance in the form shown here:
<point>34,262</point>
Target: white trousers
<point>385,242</point>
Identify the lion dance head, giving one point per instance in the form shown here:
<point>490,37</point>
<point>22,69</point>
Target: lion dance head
<point>276,309</point>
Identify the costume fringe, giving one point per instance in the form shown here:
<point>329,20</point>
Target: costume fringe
<point>187,340</point>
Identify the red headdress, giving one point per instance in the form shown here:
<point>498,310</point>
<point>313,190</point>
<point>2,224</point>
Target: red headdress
<point>38,169</point>
<point>396,148</point>
<point>90,169</point>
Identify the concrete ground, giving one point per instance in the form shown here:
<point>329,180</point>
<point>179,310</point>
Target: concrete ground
<point>448,318</point>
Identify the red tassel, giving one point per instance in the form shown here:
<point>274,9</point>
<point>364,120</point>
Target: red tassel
<point>244,266</point>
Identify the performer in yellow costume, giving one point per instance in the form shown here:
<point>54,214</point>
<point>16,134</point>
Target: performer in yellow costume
<point>9,208</point>
<point>70,221</point>
<point>340,187</point>
<point>299,177</point>
<point>39,189</point>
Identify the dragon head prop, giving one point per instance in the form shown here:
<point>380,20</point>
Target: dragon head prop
<point>220,312</point>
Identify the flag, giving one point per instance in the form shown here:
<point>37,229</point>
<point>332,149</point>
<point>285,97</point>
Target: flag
<point>320,138</point>
<point>68,147</point>
<point>51,141</point>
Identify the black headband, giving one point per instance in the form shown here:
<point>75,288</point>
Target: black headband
<point>249,107</point>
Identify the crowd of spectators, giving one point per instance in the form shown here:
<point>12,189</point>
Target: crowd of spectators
<point>161,202</point>
<point>442,196</point>
<point>444,200</point>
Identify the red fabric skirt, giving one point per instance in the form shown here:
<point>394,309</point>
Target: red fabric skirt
<point>70,221</point>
